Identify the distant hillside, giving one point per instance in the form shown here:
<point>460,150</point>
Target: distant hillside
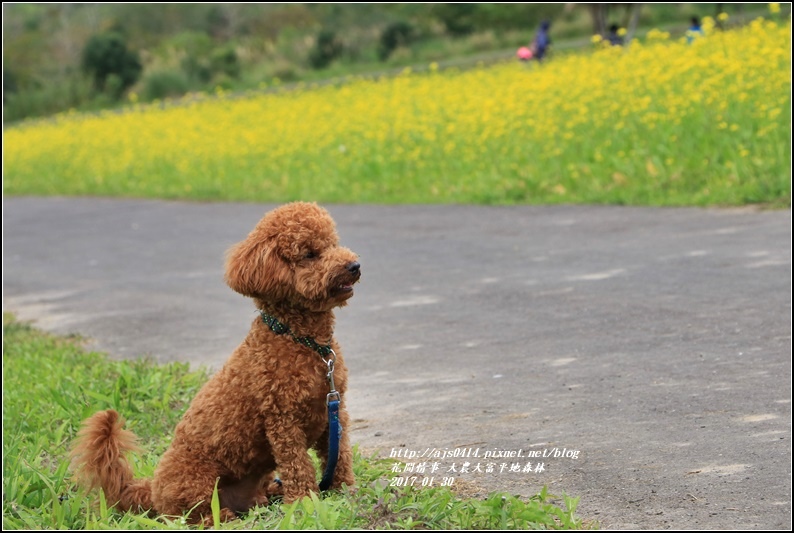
<point>92,56</point>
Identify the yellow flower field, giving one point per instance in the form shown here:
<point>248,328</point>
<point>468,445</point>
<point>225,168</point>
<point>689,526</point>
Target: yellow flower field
<point>659,122</point>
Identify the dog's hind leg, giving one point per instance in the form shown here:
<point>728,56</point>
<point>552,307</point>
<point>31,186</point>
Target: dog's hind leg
<point>184,483</point>
<point>137,495</point>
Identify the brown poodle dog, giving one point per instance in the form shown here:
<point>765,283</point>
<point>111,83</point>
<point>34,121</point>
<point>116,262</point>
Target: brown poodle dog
<point>267,406</point>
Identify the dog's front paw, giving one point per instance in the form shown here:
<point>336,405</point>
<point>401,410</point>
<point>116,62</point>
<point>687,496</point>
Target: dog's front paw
<point>346,478</point>
<point>261,499</point>
<point>338,484</point>
<point>294,491</point>
<point>226,515</point>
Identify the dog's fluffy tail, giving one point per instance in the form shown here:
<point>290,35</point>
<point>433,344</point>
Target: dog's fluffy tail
<point>99,460</point>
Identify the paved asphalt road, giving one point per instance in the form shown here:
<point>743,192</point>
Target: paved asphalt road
<point>644,352</point>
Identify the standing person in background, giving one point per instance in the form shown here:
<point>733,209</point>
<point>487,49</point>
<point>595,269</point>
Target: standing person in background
<point>694,30</point>
<point>613,36</point>
<point>542,41</point>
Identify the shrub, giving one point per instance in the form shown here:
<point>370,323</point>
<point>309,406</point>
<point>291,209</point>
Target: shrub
<point>165,83</point>
<point>395,35</point>
<point>326,49</point>
<point>286,72</point>
<point>193,50</point>
<point>106,54</point>
<point>458,19</point>
<point>224,61</point>
<point>197,68</point>
<point>192,42</point>
<point>9,82</point>
<point>74,92</point>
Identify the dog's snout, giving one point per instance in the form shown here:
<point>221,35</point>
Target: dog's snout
<point>354,268</point>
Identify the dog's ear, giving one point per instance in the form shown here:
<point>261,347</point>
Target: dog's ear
<point>254,269</point>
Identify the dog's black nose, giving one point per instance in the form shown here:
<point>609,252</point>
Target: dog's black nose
<point>353,267</point>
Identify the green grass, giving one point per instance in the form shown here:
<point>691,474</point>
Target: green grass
<point>50,384</point>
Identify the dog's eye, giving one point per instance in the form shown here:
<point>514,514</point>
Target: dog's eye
<point>311,255</point>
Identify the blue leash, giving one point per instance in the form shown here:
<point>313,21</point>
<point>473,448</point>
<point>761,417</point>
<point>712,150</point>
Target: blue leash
<point>334,436</point>
<point>334,426</point>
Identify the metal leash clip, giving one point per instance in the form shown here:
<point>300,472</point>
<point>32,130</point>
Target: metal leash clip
<point>334,394</point>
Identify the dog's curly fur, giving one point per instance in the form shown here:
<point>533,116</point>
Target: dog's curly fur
<point>267,406</point>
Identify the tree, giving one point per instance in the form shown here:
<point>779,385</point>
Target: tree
<point>599,13</point>
<point>106,57</point>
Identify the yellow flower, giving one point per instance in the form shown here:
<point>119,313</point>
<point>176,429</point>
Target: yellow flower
<point>622,32</point>
<point>722,17</point>
<point>658,35</point>
<point>457,132</point>
<point>774,7</point>
<point>595,39</point>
